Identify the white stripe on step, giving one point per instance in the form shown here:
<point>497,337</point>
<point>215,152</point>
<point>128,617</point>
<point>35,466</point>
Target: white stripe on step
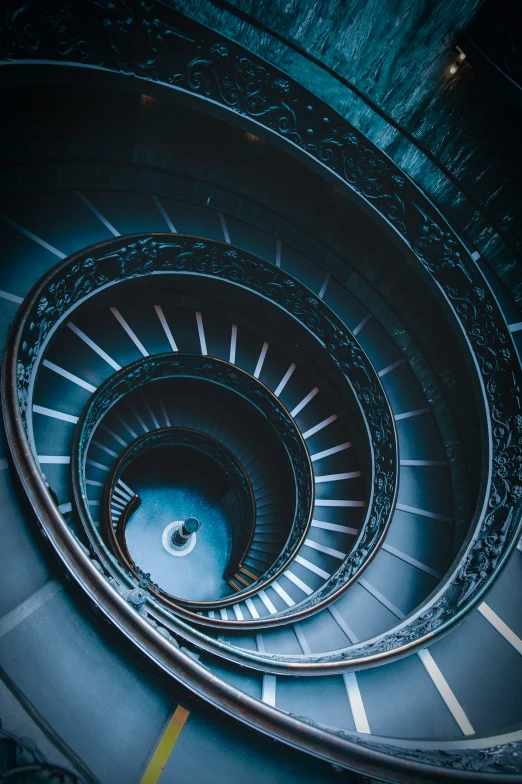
<point>163,213</point>
<point>283,594</point>
<point>501,627</point>
<point>389,368</point>
<point>50,412</point>
<point>139,418</point>
<point>268,693</point>
<point>336,477</point>
<point>130,332</point>
<point>356,704</point>
<point>152,414</point>
<point>338,502</point>
<point>312,567</point>
<point>94,464</point>
<point>423,513</point>
<point>32,236</point>
<point>104,448</point>
<point>94,346</point>
<point>260,361</point>
<point>445,692</point>
<point>166,328</point>
<point>297,581</point>
<point>332,451</point>
<point>412,561</point>
<point>322,548</point>
<point>361,324</point>
<point>226,235</point>
<point>325,283</point>
<point>252,608</point>
<point>320,426</point>
<point>11,297</point>
<point>114,435</point>
<point>409,414</point>
<point>127,427</point>
<point>341,623</point>
<point>284,380</point>
<point>266,601</point>
<point>342,529</point>
<point>301,639</point>
<point>233,344</point>
<point>33,602</point>
<point>69,376</point>
<point>299,407</point>
<point>382,599</point>
<point>95,211</point>
<point>201,333</point>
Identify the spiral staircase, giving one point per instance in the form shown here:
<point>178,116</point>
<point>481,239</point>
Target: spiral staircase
<point>263,430</point>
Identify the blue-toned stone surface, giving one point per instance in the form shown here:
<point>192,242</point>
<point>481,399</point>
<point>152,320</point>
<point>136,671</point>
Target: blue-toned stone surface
<point>395,59</point>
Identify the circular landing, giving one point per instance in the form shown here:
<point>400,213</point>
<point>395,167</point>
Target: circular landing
<point>175,484</point>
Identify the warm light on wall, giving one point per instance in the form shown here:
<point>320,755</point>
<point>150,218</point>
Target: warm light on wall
<point>147,100</point>
<point>454,67</point>
<point>251,138</point>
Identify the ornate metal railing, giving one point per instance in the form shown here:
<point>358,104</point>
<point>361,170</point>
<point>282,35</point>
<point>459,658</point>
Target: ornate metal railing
<point>175,52</point>
<point>496,525</point>
<point>214,371</point>
<point>198,63</point>
<point>226,77</point>
<point>242,522</point>
<point>73,282</point>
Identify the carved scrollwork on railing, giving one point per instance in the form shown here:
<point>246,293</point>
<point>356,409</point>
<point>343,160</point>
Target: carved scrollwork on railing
<point>148,39</point>
<point>118,261</point>
<point>242,523</point>
<point>505,758</point>
<point>179,52</point>
<point>62,293</point>
<point>152,41</point>
<point>215,371</point>
<point>496,526</point>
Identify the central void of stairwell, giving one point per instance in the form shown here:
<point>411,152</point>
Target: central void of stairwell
<point>175,484</point>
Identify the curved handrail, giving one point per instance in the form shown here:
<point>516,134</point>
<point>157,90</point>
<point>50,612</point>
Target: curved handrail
<point>223,75</point>
<point>433,243</point>
<point>495,527</point>
<point>75,280</point>
<point>242,529</point>
<point>216,371</point>
<point>438,250</point>
<point>281,108</point>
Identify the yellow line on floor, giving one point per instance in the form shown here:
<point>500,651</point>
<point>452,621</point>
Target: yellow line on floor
<point>165,746</point>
